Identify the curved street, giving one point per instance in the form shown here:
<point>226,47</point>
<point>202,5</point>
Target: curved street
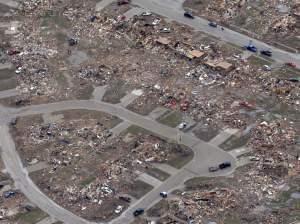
<point>204,156</point>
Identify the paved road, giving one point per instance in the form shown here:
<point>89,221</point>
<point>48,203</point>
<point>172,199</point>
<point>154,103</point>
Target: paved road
<point>9,93</point>
<point>173,10</point>
<point>204,154</point>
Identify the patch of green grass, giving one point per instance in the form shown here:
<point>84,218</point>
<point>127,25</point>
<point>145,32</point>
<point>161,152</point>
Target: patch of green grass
<point>230,49</point>
<point>52,19</point>
<point>181,159</point>
<point>139,189</point>
<point>31,217</point>
<point>234,142</point>
<point>172,119</point>
<point>135,130</point>
<point>157,173</point>
<point>8,84</point>
<point>232,220</point>
<point>6,73</point>
<point>196,181</point>
<point>115,92</point>
<point>159,209</point>
<point>258,61</point>
<point>87,181</point>
<point>107,120</point>
<point>61,79</point>
<point>86,93</point>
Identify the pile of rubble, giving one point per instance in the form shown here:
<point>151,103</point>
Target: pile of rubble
<point>204,203</point>
<point>99,75</point>
<point>152,149</point>
<point>66,141</point>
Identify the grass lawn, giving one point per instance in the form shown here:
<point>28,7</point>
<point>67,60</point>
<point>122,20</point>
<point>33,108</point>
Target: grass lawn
<point>140,189</point>
<point>157,173</point>
<point>31,217</point>
<point>172,119</point>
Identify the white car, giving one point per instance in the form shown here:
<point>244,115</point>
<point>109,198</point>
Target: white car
<point>118,209</point>
<point>267,68</point>
<point>182,125</point>
<point>146,14</point>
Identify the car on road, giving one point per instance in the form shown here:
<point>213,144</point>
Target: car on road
<point>182,125</point>
<point>123,2</point>
<point>251,48</point>
<point>224,165</point>
<point>267,68</point>
<point>213,24</point>
<point>266,53</point>
<point>146,14</point>
<point>138,212</point>
<point>163,194</point>
<point>188,15</point>
<point>213,168</point>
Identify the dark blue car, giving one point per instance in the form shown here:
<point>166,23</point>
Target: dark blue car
<point>251,48</point>
<point>138,212</point>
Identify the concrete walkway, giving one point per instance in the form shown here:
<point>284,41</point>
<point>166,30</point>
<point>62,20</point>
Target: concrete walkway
<point>166,168</point>
<point>99,92</point>
<point>117,130</point>
<point>223,136</point>
<point>149,179</point>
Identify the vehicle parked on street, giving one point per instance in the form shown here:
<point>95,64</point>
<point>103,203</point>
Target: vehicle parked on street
<point>224,165</point>
<point>138,212</point>
<point>146,14</point>
<point>213,24</point>
<point>251,48</point>
<point>213,169</point>
<point>163,194</point>
<point>188,15</point>
<point>123,2</point>
<point>266,53</point>
<point>267,68</point>
<point>182,125</point>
